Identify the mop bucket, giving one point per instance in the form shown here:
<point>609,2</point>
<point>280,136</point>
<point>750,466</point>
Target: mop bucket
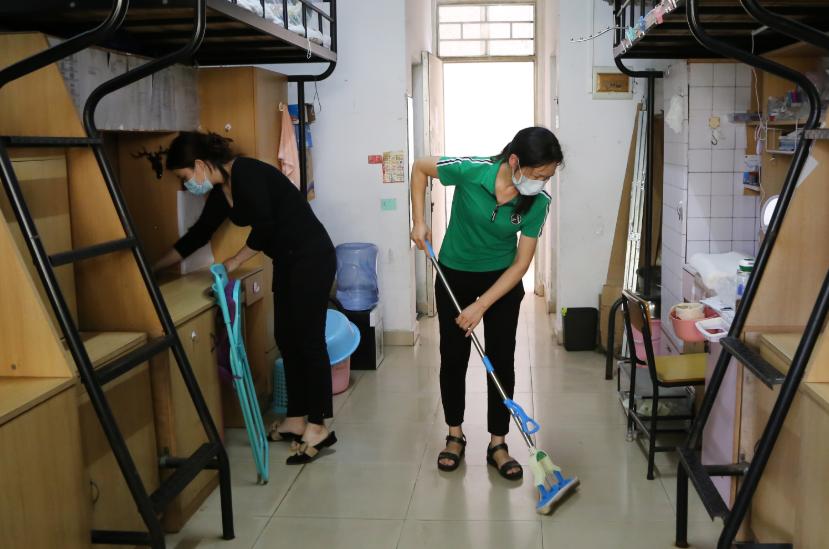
<point>342,337</point>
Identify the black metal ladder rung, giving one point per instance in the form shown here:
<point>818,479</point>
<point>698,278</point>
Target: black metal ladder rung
<point>120,537</point>
<point>708,493</point>
<point>26,141</point>
<point>759,366</point>
<point>88,252</point>
<point>175,483</point>
<point>129,361</point>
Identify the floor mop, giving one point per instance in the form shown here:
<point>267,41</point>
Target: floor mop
<point>240,369</point>
<point>552,486</point>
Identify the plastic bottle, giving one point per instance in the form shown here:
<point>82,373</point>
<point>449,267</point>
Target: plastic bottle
<point>743,274</point>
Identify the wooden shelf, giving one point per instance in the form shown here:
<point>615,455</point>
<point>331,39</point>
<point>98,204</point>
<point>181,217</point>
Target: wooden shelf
<point>778,123</point>
<point>104,347</point>
<point>20,394</point>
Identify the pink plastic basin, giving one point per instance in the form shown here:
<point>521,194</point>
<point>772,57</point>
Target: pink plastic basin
<point>686,330</point>
<point>340,374</point>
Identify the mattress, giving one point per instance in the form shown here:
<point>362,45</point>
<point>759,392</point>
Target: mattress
<point>273,11</point>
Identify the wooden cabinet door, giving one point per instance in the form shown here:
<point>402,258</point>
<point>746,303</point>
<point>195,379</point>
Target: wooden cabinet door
<point>186,431</point>
<point>43,491</point>
<point>130,398</point>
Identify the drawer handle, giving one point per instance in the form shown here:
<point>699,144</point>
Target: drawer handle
<point>194,335</point>
<point>256,287</point>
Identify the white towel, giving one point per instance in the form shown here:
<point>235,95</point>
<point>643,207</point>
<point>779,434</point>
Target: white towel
<point>288,151</point>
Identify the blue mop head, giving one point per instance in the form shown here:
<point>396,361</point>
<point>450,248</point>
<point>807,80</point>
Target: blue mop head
<point>549,497</point>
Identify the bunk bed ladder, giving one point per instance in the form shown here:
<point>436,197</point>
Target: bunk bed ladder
<point>733,347</point>
<point>211,455</point>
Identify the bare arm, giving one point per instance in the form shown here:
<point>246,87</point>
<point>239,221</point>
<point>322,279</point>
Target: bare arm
<point>422,170</point>
<point>237,260</point>
<point>471,316</point>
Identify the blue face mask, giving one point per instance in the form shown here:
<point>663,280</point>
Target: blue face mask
<point>527,186</point>
<point>198,188</point>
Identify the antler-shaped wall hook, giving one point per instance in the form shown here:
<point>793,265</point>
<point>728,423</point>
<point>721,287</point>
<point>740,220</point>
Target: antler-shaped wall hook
<point>154,158</point>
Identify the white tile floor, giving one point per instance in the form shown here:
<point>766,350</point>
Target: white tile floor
<point>379,487</point>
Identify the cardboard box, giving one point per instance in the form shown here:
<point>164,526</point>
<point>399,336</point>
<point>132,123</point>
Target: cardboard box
<point>610,293</point>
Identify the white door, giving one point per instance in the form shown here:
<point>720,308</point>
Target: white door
<point>429,141</point>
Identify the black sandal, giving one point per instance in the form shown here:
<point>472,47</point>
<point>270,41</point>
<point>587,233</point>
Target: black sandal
<point>306,454</point>
<point>503,469</point>
<point>455,458</point>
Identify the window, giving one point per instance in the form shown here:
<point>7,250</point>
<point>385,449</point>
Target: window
<point>486,30</point>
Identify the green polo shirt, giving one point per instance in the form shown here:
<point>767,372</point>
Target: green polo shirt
<point>483,236</point>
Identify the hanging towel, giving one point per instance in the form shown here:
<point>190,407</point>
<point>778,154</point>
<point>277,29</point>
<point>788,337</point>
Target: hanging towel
<point>288,152</point>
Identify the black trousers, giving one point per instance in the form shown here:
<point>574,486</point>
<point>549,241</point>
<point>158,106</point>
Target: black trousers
<point>500,327</point>
<point>301,289</point>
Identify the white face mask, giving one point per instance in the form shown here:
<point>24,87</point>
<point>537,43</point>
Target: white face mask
<point>527,186</point>
<point>198,188</point>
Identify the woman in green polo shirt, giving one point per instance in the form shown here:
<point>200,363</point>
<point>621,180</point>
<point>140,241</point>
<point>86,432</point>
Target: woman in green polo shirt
<point>496,199</point>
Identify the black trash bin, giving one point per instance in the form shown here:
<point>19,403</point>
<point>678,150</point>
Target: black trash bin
<point>581,328</point>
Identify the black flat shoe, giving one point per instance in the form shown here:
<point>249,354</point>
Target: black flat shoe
<point>306,454</point>
<point>503,469</point>
<point>453,457</point>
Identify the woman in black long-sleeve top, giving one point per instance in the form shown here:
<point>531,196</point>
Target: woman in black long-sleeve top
<point>283,227</point>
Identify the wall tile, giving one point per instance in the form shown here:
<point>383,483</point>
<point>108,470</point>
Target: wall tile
<point>745,206</point>
<point>738,184</point>
<point>699,206</point>
<point>699,183</point>
<point>701,98</point>
<point>676,176</point>
<point>699,161</point>
<point>743,74</point>
<point>742,100</point>
<point>745,247</point>
<point>699,229</point>
<point>721,229</point>
<point>720,247</point>
<point>699,133</point>
<point>722,206</point>
<point>701,74</point>
<point>676,153</point>
<point>721,183</point>
<point>725,74</point>
<point>726,135</point>
<point>740,137</point>
<point>697,247</point>
<point>722,160</point>
<point>744,228</point>
<point>724,100</point>
<point>739,160</point>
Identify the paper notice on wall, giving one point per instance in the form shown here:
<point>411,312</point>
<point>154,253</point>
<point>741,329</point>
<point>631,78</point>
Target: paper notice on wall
<point>393,167</point>
<point>190,207</point>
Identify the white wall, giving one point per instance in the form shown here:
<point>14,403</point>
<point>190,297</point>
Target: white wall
<point>595,135</point>
<point>364,113</point>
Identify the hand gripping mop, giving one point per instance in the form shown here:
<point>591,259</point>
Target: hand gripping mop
<point>551,483</point>
<point>240,369</point>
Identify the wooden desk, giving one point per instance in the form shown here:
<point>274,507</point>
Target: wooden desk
<point>791,499</point>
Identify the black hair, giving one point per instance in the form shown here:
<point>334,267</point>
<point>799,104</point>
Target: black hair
<point>209,147</point>
<point>534,147</point>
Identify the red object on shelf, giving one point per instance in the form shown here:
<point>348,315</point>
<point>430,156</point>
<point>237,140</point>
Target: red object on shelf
<point>686,330</point>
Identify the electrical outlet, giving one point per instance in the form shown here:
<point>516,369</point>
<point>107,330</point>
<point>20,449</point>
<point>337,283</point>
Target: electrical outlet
<point>388,204</point>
